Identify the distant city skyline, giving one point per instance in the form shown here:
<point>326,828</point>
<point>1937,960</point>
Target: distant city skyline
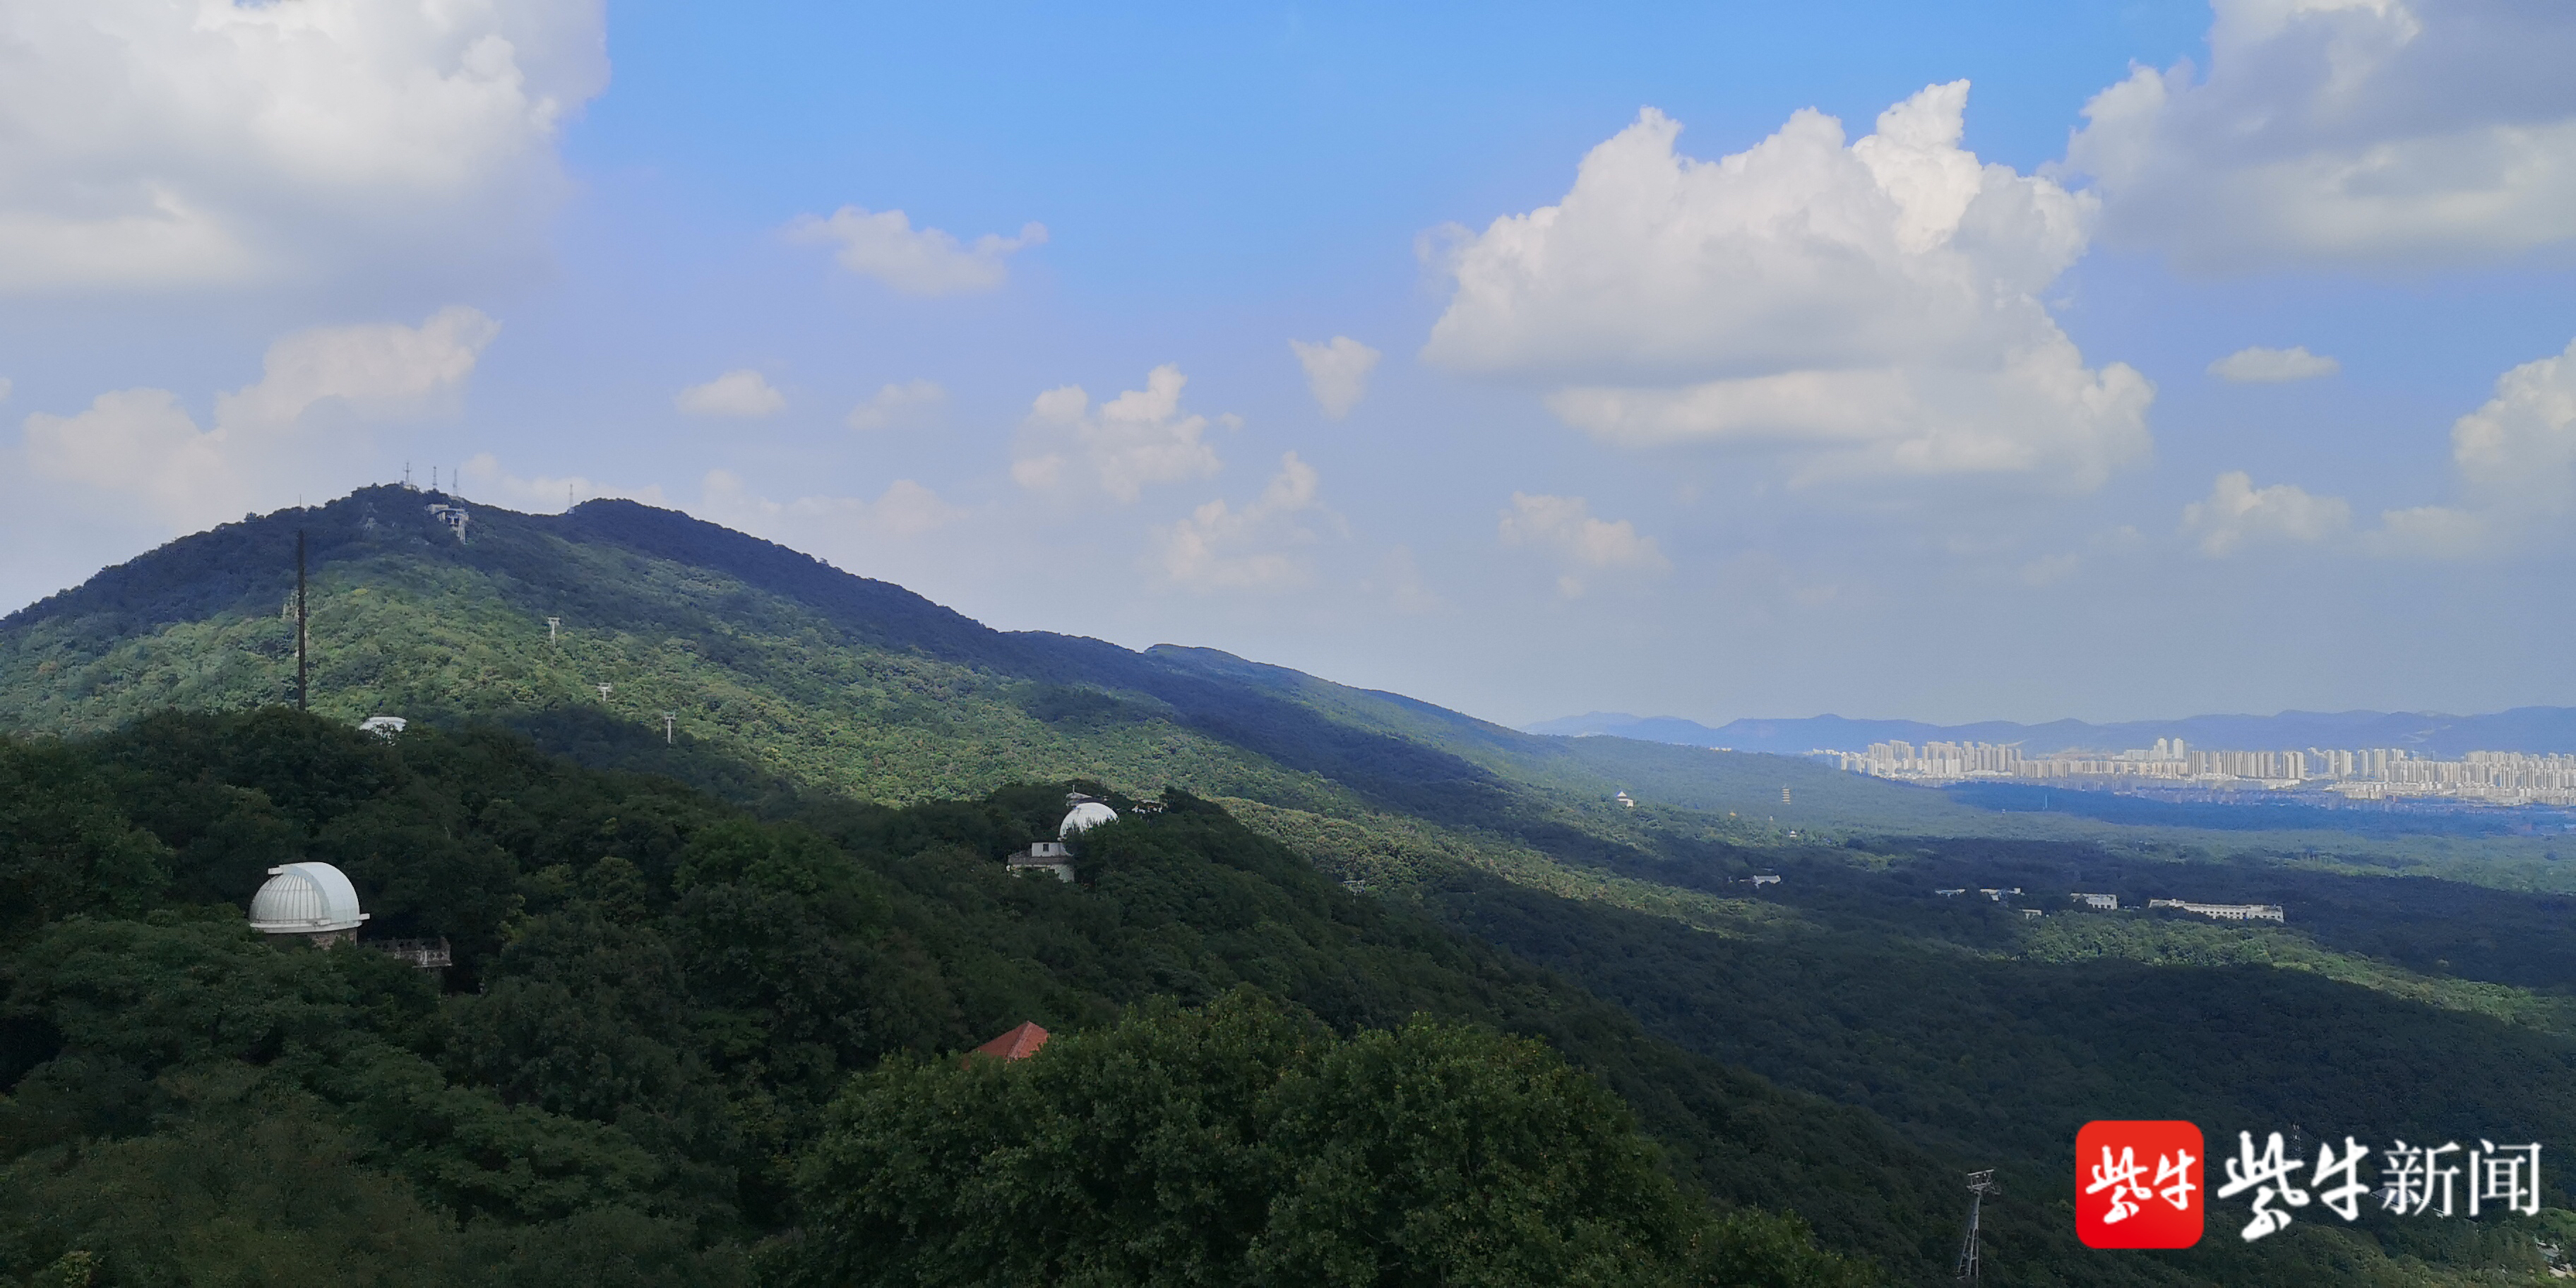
<point>2356,774</point>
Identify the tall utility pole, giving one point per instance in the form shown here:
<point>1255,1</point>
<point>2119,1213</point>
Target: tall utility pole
<point>1980,1184</point>
<point>299,619</point>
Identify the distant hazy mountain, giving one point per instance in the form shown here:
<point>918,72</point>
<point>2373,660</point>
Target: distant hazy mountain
<point>2527,729</point>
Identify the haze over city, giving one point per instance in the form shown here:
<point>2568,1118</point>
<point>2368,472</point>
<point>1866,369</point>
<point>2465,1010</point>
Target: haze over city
<point>1731,362</point>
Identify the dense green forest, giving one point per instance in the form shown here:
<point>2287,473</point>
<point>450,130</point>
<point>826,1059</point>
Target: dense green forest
<point>683,1043</point>
<point>657,1000</point>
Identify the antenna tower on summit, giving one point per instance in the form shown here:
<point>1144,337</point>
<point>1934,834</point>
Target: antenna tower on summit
<point>1980,1184</point>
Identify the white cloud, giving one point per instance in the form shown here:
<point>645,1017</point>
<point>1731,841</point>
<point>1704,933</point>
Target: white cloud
<point>1221,548</point>
<point>899,405</point>
<point>1337,372</point>
<point>541,494</point>
<point>1138,438</point>
<point>739,394</point>
<point>1865,309</point>
<point>884,245</point>
<point>146,144</point>
<point>2430,532</point>
<point>2345,132</point>
<point>906,509</point>
<point>1564,527</point>
<point>2259,365</point>
<point>2515,461</point>
<point>2518,452</point>
<point>143,445</point>
<point>2237,513</point>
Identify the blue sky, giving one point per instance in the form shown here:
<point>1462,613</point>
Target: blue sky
<point>1921,417</point>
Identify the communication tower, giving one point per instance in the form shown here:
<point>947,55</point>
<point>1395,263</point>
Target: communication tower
<point>1980,1184</point>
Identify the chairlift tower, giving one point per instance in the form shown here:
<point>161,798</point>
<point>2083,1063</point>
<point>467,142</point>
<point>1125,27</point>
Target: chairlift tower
<point>670,723</point>
<point>554,627</point>
<point>1980,1184</point>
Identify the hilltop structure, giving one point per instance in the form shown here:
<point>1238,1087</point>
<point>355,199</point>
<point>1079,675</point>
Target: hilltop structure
<point>1082,814</point>
<point>1021,1042</point>
<point>309,901</point>
<point>2224,911</point>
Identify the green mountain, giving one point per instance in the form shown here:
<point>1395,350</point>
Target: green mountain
<point>779,670</point>
<point>1841,1044</point>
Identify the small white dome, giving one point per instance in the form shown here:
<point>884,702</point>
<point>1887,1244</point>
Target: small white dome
<point>305,899</point>
<point>1084,817</point>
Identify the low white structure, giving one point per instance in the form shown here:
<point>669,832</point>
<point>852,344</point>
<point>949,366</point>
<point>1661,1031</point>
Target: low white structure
<point>1761,879</point>
<point>383,726</point>
<point>1625,800</point>
<point>2224,911</point>
<point>308,901</point>
<point>1043,856</point>
<point>2104,902</point>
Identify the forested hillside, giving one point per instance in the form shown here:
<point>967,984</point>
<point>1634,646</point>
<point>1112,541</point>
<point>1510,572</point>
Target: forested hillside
<point>656,998</point>
<point>672,960</point>
<point>779,670</point>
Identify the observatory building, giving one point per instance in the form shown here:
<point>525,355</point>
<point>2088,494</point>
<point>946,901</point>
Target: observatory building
<point>1086,813</point>
<point>309,901</point>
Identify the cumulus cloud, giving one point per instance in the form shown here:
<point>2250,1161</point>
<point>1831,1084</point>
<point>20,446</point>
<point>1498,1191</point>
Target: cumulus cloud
<point>2369,132</point>
<point>899,405</point>
<point>487,480</point>
<point>904,510</point>
<point>2518,452</point>
<point>2237,514</point>
<point>884,245</point>
<point>2514,459</point>
<point>2261,366</point>
<point>2430,532</point>
<point>1564,528</point>
<point>1140,437</point>
<point>1866,308</point>
<point>1221,548</point>
<point>149,145</point>
<point>739,394</point>
<point>1337,372</point>
<point>142,445</point>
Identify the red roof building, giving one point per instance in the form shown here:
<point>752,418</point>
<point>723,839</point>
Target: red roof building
<point>1018,1044</point>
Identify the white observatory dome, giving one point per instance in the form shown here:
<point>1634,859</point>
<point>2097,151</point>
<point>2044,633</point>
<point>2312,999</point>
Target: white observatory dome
<point>1084,817</point>
<point>305,899</point>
